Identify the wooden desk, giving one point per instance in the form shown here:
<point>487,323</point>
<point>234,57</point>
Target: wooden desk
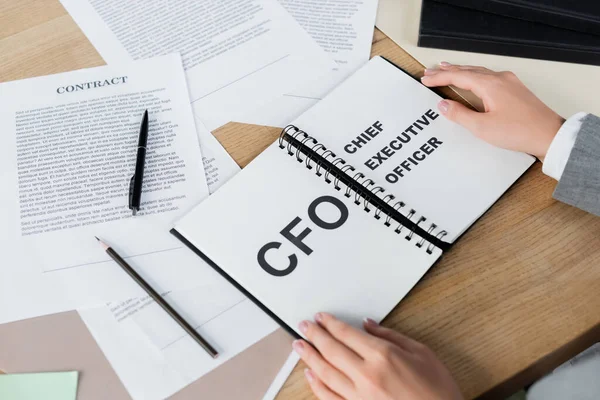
<point>514,298</point>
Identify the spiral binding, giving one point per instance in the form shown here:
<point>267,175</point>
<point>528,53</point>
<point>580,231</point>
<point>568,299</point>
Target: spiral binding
<point>321,158</point>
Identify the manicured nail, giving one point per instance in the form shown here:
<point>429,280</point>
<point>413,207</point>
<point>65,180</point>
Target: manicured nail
<point>303,326</point>
<point>310,377</point>
<point>370,322</point>
<point>444,106</point>
<point>298,346</point>
<point>319,317</point>
<point>445,64</point>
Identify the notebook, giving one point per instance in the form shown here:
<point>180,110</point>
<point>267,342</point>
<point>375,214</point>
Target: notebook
<point>353,204</point>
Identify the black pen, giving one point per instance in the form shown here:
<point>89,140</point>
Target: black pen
<point>135,185</point>
<point>159,300</point>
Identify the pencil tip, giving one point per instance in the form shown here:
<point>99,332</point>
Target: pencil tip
<point>104,245</point>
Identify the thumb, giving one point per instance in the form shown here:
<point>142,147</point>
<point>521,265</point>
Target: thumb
<point>392,336</point>
<point>460,114</point>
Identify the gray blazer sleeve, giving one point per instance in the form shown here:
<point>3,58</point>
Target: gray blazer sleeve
<point>579,184</point>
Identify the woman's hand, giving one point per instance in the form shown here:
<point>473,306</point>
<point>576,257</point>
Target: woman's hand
<point>514,118</point>
<point>379,364</point>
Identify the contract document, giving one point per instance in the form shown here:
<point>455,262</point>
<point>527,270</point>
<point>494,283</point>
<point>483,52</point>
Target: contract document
<point>69,143</point>
<point>238,54</point>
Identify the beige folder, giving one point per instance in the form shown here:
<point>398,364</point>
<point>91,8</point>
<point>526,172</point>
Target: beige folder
<point>61,342</point>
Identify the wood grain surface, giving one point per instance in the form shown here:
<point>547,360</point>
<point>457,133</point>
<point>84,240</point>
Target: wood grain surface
<point>515,297</point>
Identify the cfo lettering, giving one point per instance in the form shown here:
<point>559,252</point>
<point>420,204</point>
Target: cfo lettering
<point>297,240</point>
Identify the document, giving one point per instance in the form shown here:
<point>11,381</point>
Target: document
<point>154,357</point>
<point>69,143</point>
<point>238,54</point>
<point>47,386</point>
<point>344,29</point>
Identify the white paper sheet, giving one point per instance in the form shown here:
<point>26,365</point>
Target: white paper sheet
<point>69,144</point>
<point>238,54</point>
<point>154,357</point>
<point>284,373</point>
<point>344,29</point>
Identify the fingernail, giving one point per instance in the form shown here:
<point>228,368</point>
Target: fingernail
<point>444,106</point>
<point>370,322</point>
<point>319,317</point>
<point>445,64</point>
<point>303,326</point>
<point>430,71</point>
<point>298,346</point>
<point>309,375</point>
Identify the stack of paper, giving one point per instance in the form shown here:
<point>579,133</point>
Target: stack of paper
<point>70,144</point>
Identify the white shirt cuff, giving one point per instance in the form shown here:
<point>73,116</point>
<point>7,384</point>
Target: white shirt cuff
<point>561,146</point>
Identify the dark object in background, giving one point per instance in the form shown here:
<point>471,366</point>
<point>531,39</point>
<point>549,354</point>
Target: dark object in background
<point>577,15</point>
<point>450,27</point>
